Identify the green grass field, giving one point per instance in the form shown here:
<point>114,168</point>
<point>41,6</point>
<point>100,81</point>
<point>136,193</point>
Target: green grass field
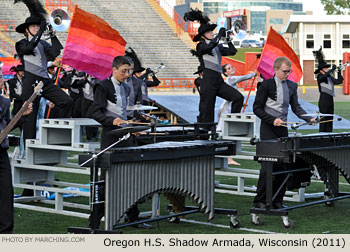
<point>316,219</point>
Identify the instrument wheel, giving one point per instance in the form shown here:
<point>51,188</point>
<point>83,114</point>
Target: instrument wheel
<point>174,220</point>
<point>256,220</point>
<point>329,203</point>
<point>288,224</point>
<point>234,222</point>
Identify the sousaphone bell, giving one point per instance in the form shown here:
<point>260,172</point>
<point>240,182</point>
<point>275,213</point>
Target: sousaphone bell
<point>239,29</point>
<point>59,20</point>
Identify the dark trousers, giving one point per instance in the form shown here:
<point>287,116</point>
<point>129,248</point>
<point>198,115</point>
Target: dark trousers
<point>268,132</point>
<point>6,194</point>
<point>213,85</point>
<point>91,132</point>
<point>326,106</point>
<point>50,92</point>
<point>77,104</point>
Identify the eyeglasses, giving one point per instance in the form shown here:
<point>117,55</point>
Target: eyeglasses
<point>287,71</point>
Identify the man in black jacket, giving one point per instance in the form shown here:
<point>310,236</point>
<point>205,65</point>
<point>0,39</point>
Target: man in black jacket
<point>271,105</point>
<point>109,109</point>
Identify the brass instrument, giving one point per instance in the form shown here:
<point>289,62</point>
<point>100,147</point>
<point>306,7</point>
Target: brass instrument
<point>161,67</point>
<point>238,29</point>
<point>59,20</point>
<point>343,66</point>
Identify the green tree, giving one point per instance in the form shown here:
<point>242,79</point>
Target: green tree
<point>336,7</point>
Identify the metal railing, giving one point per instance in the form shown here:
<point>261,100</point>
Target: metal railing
<point>173,83</point>
<point>176,83</point>
<point>60,4</point>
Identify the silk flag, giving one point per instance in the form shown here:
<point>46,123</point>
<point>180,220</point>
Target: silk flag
<point>92,44</point>
<point>276,46</point>
<point>8,63</point>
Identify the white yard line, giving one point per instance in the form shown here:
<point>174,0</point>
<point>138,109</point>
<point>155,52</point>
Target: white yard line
<point>228,227</point>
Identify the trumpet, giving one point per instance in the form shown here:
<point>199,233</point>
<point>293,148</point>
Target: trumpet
<point>343,66</point>
<point>161,67</point>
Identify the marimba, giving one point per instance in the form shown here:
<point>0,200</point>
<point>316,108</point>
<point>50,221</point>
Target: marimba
<point>322,154</point>
<point>135,173</point>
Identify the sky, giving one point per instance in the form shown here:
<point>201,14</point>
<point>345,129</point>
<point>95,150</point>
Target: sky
<point>314,5</point>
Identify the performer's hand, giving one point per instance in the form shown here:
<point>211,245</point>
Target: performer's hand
<point>51,105</point>
<point>43,25</point>
<point>118,122</point>
<point>245,104</point>
<point>222,32</point>
<point>277,122</point>
<point>29,109</point>
<point>314,121</point>
<point>57,63</point>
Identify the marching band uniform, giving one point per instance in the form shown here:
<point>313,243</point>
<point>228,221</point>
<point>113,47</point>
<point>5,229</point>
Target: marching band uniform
<point>110,101</point>
<point>6,189</point>
<point>135,96</point>
<point>272,101</point>
<point>34,54</point>
<point>209,53</point>
<point>148,83</point>
<point>15,91</point>
<point>326,84</point>
<point>91,132</point>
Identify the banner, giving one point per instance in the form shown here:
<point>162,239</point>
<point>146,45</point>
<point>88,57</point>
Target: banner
<point>275,47</point>
<point>92,44</point>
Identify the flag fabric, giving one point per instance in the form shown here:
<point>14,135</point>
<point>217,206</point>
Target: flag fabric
<point>92,44</point>
<point>275,47</point>
<point>8,63</point>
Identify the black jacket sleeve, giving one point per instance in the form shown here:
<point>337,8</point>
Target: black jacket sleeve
<point>204,48</point>
<point>53,50</point>
<point>12,86</point>
<point>323,77</point>
<point>25,47</point>
<point>99,106</point>
<point>152,83</point>
<point>227,51</point>
<point>259,104</point>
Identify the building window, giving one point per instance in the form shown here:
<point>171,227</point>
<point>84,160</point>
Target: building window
<point>327,43</point>
<point>310,41</point>
<point>276,21</point>
<point>346,41</point>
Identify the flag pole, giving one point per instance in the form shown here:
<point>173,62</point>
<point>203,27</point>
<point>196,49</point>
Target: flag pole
<point>56,82</point>
<point>250,90</point>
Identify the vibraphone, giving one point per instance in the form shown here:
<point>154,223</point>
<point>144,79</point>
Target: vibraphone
<point>324,155</point>
<point>135,173</point>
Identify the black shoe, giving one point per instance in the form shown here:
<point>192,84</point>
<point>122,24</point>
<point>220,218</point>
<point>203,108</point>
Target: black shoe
<point>278,205</point>
<point>259,205</point>
<point>142,226</point>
